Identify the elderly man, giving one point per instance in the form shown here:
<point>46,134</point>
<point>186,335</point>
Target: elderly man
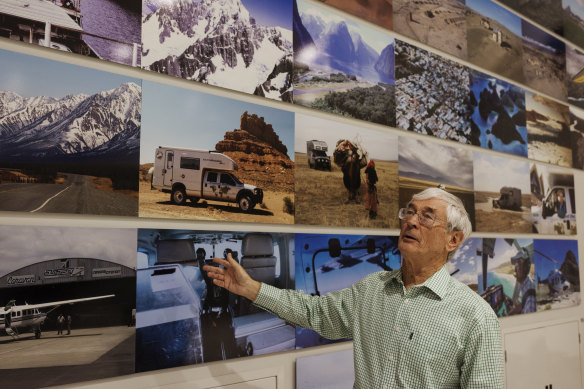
<point>415,327</point>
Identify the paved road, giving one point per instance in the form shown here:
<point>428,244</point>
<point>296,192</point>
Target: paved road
<point>76,195</point>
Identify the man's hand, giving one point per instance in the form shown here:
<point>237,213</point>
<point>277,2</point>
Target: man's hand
<point>233,277</point>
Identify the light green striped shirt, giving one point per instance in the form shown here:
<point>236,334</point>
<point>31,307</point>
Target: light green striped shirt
<point>439,334</point>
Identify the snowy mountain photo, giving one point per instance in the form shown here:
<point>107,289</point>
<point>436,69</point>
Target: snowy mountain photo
<point>69,138</point>
<point>245,45</point>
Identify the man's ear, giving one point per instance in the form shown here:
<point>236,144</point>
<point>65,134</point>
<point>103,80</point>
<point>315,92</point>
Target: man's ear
<point>454,240</point>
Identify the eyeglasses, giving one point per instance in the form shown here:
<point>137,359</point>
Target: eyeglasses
<point>425,218</point>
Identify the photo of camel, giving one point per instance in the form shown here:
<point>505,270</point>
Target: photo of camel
<point>425,165</point>
<point>69,138</point>
<point>205,157</point>
<point>494,39</point>
<point>547,13</point>
<point>506,275</point>
<point>502,194</point>
<point>334,170</point>
<point>544,61</point>
<point>557,273</point>
<point>575,75</point>
<point>437,23</point>
<point>432,95</point>
<point>574,21</point>
<point>498,114</point>
<point>379,12</point>
<point>548,130</point>
<point>463,264</point>
<point>341,66</point>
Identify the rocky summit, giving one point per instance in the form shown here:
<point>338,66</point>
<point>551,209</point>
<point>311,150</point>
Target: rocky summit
<point>260,155</point>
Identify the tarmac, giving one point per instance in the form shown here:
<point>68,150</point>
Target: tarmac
<point>86,354</point>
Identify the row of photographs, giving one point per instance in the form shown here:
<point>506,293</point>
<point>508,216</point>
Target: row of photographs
<point>104,306</point>
<point>81,141</point>
<point>298,50</point>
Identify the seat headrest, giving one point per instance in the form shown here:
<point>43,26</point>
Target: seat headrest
<point>175,251</point>
<point>257,245</point>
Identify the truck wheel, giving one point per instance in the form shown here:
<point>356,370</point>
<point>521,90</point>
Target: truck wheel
<point>37,334</point>
<point>245,203</point>
<point>178,196</point>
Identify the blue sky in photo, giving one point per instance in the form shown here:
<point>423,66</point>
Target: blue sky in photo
<point>498,13</point>
<point>466,261</point>
<point>555,249</point>
<point>31,76</point>
<point>577,6</point>
<point>271,12</point>
<point>179,117</point>
<point>537,34</point>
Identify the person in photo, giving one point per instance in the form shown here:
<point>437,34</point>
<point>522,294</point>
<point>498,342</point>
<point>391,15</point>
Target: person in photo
<point>415,327</point>
<point>371,199</point>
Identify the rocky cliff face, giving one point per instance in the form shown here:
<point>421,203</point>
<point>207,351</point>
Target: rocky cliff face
<point>260,155</point>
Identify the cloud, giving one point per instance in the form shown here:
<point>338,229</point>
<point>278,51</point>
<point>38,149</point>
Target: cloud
<point>445,164</point>
<point>492,173</point>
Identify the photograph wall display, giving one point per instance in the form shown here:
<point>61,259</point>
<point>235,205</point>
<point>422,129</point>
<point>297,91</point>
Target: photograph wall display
<point>182,318</point>
<point>344,175</point>
<point>574,21</point>
<point>463,263</point>
<point>575,76</point>
<point>494,39</point>
<point>327,263</point>
<point>341,66</point>
<point>232,160</point>
<point>67,304</point>
<point>437,23</point>
<point>548,130</point>
<point>553,206</point>
<point>376,11</point>
<point>498,114</point>
<point>502,194</point>
<point>506,275</point>
<point>544,61</point>
<point>557,273</point>
<point>423,165</point>
<point>69,138</point>
<point>432,95</point>
<point>547,13</point>
<point>105,29</point>
<point>577,137</point>
<point>326,371</point>
<point>245,45</point>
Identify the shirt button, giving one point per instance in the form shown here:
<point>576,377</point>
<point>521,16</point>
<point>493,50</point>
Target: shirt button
<point>396,329</point>
<point>406,300</point>
<point>391,358</point>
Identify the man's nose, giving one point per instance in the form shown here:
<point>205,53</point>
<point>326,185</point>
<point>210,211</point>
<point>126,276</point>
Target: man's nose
<point>413,221</point>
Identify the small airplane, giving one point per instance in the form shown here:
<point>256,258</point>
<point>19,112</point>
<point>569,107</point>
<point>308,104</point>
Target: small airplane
<point>556,282</point>
<point>28,317</point>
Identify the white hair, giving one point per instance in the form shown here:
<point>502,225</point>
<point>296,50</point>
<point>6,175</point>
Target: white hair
<point>456,216</point>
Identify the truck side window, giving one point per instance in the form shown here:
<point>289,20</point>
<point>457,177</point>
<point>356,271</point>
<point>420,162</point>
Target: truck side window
<point>190,163</point>
<point>227,179</point>
<point>169,158</point>
<point>211,177</point>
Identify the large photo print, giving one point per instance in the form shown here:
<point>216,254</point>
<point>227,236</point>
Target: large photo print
<point>69,138</point>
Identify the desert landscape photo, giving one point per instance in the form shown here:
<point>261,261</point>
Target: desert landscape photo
<point>321,187</point>
<point>376,11</point>
<point>257,139</point>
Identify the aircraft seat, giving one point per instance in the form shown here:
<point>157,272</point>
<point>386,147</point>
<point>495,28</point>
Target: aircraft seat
<point>258,257</point>
<point>176,251</point>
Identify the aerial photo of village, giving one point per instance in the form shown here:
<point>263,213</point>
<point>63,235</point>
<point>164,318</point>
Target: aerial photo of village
<point>548,130</point>
<point>544,61</point>
<point>437,23</point>
<point>494,39</point>
<point>432,95</point>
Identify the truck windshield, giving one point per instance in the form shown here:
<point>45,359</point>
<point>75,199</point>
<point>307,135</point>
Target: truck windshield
<point>319,153</point>
<point>236,180</point>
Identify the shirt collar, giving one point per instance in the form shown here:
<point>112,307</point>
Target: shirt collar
<point>437,283</point>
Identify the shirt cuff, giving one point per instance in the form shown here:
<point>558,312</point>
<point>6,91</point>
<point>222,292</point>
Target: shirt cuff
<point>268,297</point>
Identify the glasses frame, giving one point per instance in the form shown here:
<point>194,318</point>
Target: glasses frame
<point>423,221</point>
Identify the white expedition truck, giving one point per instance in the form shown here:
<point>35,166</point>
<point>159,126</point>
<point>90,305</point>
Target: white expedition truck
<point>195,174</point>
